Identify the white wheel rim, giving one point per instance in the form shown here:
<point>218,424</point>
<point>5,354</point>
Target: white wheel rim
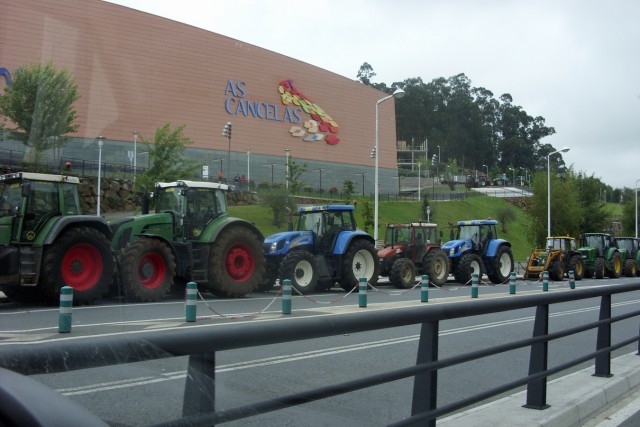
<point>303,273</point>
<point>505,264</point>
<point>363,264</point>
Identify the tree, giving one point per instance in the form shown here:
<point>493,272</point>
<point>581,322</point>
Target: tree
<point>278,199</point>
<point>365,74</point>
<point>166,163</point>
<point>367,215</point>
<point>39,103</point>
<point>295,172</point>
<point>347,190</point>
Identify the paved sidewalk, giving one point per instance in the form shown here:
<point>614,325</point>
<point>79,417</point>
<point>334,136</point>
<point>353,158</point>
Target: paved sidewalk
<point>575,399</point>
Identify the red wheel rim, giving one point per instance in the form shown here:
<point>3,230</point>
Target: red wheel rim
<point>240,262</point>
<point>82,267</point>
<point>151,270</point>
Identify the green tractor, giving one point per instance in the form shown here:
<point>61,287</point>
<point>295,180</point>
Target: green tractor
<point>631,266</point>
<point>45,242</point>
<point>190,237</point>
<point>601,256</point>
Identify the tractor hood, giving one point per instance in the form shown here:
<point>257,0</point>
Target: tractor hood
<point>281,243</point>
<point>391,251</point>
<point>455,247</point>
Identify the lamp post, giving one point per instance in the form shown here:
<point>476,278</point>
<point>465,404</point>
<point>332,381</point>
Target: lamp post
<point>428,213</point>
<point>100,144</point>
<point>562,150</point>
<point>399,93</point>
<point>514,176</point>
<point>361,174</point>
<point>320,170</point>
<point>135,154</point>
<point>438,165</point>
<point>272,165</point>
<point>637,181</point>
<point>226,131</point>
<point>287,153</point>
<point>248,169</point>
<point>485,166</point>
<point>419,186</point>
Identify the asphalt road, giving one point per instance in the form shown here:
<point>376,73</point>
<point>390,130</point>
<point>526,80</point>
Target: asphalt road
<point>152,392</point>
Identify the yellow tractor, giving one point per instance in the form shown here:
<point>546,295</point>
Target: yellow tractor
<point>558,258</point>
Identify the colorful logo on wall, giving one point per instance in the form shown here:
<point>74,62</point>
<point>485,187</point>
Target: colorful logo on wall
<point>320,126</point>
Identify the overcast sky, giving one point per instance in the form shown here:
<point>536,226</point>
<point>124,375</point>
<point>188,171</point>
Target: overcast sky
<point>574,62</point>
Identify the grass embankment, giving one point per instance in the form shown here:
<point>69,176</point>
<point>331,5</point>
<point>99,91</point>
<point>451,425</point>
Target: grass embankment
<point>478,207</point>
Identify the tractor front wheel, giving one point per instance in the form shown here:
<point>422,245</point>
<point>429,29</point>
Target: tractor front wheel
<point>629,268</point>
<point>577,265</point>
<point>360,260</point>
<point>599,268</point>
<point>436,264</point>
<point>81,258</point>
<point>616,266</point>
<point>147,267</point>
<point>469,263</point>
<point>300,268</point>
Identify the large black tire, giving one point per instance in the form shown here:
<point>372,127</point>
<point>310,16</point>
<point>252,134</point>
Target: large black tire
<point>599,270</point>
<point>629,268</point>
<point>236,263</point>
<point>616,266</point>
<point>403,273</point>
<point>502,265</point>
<point>301,269</point>
<point>577,265</point>
<point>436,264</point>
<point>469,263</point>
<point>360,260</point>
<point>147,270</point>
<point>556,271</point>
<point>80,257</point>
<point>269,278</point>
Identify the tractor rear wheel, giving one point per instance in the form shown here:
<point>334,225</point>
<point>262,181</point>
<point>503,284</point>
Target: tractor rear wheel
<point>81,258</point>
<point>503,265</point>
<point>469,263</point>
<point>599,268</point>
<point>360,260</point>
<point>556,272</point>
<point>436,264</point>
<point>403,273</point>
<point>577,265</point>
<point>147,268</point>
<point>236,263</point>
<point>629,268</point>
<point>301,269</point>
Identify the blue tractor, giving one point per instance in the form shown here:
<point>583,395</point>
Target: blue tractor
<point>477,249</point>
<point>322,248</point>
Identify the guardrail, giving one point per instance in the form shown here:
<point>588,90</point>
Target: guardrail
<point>202,345</point>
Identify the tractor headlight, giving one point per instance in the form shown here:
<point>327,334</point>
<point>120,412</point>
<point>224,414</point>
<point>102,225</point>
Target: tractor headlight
<point>274,247</point>
<point>452,251</point>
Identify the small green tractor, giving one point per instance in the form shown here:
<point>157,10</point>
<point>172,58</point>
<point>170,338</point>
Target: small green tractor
<point>631,266</point>
<point>558,257</point>
<point>190,237</point>
<point>601,255</point>
<point>45,242</point>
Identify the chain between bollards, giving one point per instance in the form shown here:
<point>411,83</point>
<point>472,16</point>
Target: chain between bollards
<point>66,304</point>
<point>286,295</point>
<point>362,292</point>
<point>424,288</point>
<point>545,281</point>
<point>572,279</point>
<point>512,283</point>
<point>474,285</point>
<point>190,302</point>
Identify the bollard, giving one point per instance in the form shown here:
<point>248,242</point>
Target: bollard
<point>66,303</point>
<point>572,279</point>
<point>424,288</point>
<point>545,281</point>
<point>286,295</point>
<point>512,283</point>
<point>362,292</point>
<point>474,285</point>
<point>190,302</point>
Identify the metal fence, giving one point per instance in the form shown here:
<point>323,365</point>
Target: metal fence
<point>202,345</point>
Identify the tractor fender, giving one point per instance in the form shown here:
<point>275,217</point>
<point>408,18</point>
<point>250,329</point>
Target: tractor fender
<point>344,240</point>
<point>494,245</point>
<point>64,222</point>
<point>214,229</point>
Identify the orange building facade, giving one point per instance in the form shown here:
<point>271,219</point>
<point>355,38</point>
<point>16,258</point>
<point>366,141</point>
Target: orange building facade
<point>136,72</point>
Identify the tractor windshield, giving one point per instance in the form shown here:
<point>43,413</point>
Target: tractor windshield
<point>626,244</point>
<point>168,200</point>
<point>594,241</point>
<point>469,232</point>
<point>396,236</point>
<point>10,199</point>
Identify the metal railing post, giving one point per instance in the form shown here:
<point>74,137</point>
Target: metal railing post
<point>425,384</point>
<point>537,390</point>
<point>603,361</point>
<point>200,387</point>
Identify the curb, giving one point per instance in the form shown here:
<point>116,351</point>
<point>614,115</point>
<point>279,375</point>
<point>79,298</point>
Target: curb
<point>574,399</point>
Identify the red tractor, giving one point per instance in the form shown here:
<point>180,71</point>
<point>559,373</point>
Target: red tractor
<point>411,249</point>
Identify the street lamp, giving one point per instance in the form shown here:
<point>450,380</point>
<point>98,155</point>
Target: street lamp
<point>562,150</point>
<point>287,153</point>
<point>637,181</point>
<point>135,154</point>
<point>100,144</point>
<point>248,169</point>
<point>399,93</point>
<point>419,187</point>
<point>320,170</point>
<point>272,165</point>
<point>514,176</point>
<point>485,166</point>
<point>438,165</point>
<point>362,174</point>
<point>428,213</point>
<point>226,131</point>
